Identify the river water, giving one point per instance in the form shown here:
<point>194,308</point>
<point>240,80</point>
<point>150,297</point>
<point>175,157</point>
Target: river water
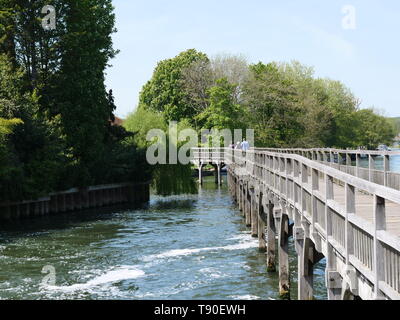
<point>186,247</point>
<point>394,162</point>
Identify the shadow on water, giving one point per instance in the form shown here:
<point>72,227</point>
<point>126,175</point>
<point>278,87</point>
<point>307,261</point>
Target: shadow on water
<point>62,221</point>
<point>173,204</point>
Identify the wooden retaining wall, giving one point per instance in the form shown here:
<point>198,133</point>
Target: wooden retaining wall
<point>76,199</point>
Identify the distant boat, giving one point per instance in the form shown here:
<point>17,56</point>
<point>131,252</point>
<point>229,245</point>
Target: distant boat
<point>383,147</point>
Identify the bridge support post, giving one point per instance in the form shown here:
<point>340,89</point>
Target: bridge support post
<point>239,186</point>
<point>247,206</point>
<point>271,237</point>
<point>200,167</point>
<point>217,173</point>
<point>254,216</point>
<point>243,198</point>
<point>333,279</point>
<point>261,225</point>
<point>234,188</point>
<point>284,278</point>
<point>309,257</point>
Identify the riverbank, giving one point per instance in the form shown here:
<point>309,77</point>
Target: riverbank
<point>76,199</point>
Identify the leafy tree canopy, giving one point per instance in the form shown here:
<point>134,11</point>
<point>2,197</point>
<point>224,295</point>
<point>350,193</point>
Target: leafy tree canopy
<point>164,92</point>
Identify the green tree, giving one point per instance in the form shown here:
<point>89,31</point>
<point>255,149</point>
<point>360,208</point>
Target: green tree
<point>6,128</point>
<point>84,104</point>
<point>141,121</point>
<point>396,123</point>
<point>32,146</point>
<point>54,82</point>
<point>164,92</point>
<point>223,112</point>
<point>273,113</point>
<point>167,179</point>
<point>315,117</point>
<point>372,129</point>
<point>343,105</point>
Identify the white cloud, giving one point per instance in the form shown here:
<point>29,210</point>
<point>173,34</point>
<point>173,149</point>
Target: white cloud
<point>328,39</point>
<point>333,41</point>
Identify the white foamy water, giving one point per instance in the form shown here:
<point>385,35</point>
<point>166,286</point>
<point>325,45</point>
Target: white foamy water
<point>243,236</point>
<point>213,273</point>
<point>185,252</point>
<point>245,297</point>
<point>112,276</point>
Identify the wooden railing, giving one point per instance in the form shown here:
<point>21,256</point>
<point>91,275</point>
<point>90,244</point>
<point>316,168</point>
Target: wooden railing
<point>209,154</point>
<point>337,158</point>
<point>307,185</point>
<point>343,160</point>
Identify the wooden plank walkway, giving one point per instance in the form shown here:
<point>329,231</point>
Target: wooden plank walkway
<point>365,207</point>
<point>350,218</point>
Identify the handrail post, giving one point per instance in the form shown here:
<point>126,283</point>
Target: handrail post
<point>325,157</point>
<point>287,173</point>
<point>331,274</point>
<point>371,167</point>
<point>340,160</point>
<point>329,195</point>
<point>348,159</point>
<point>386,169</point>
<point>350,200</point>
<point>358,164</point>
<point>315,187</point>
<point>379,224</point>
<point>304,180</point>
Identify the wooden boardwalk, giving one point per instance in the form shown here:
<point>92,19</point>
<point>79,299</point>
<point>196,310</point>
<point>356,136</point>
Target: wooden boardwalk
<point>365,207</point>
<point>348,215</point>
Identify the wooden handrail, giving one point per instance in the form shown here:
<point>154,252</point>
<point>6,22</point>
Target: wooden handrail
<point>366,247</point>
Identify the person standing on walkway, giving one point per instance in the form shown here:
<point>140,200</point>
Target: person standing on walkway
<point>245,145</point>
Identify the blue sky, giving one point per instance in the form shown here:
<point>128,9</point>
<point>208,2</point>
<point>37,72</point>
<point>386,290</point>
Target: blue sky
<point>366,59</point>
